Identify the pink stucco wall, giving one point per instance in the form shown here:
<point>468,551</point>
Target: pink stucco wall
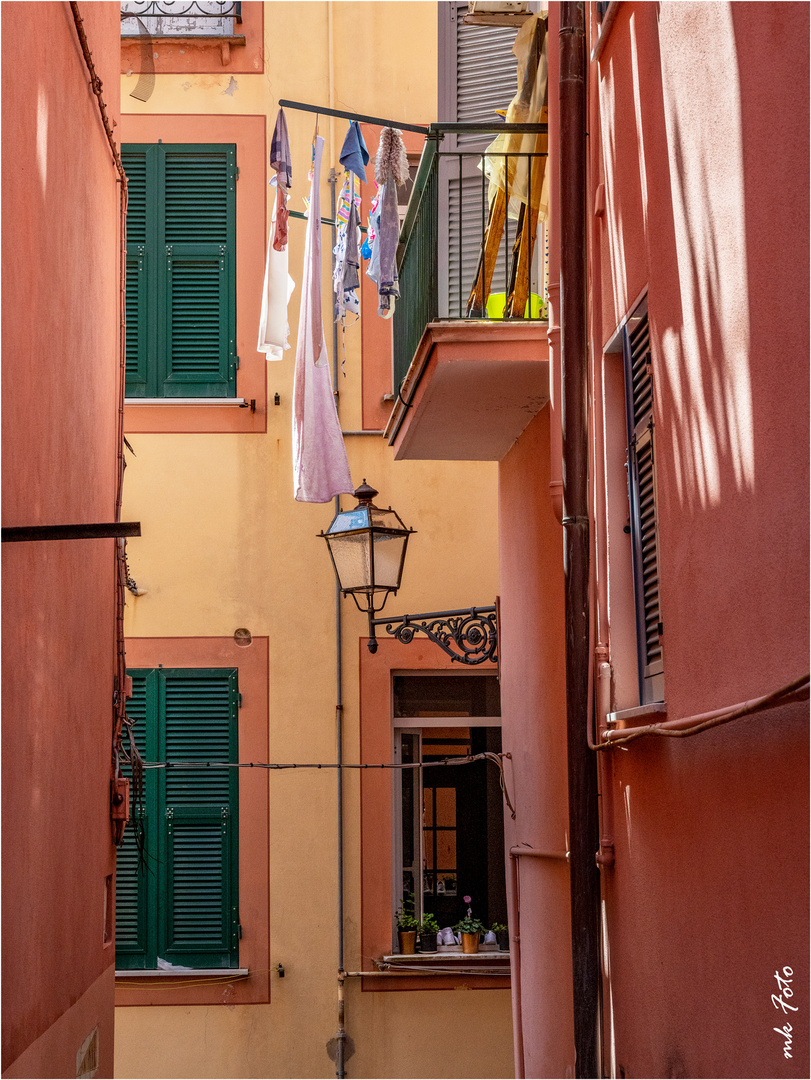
<point>60,384</point>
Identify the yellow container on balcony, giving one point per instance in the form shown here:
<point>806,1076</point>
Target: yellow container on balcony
<point>535,309</point>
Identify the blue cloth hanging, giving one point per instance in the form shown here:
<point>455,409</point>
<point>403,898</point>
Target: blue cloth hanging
<point>354,155</point>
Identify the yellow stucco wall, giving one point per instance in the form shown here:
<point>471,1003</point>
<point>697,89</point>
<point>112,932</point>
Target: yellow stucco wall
<point>224,545</point>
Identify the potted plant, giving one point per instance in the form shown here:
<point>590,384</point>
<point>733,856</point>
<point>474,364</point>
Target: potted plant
<point>470,928</point>
<point>429,928</point>
<point>407,924</point>
<point>502,936</point>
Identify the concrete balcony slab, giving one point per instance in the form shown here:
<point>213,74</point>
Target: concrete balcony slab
<point>471,389</point>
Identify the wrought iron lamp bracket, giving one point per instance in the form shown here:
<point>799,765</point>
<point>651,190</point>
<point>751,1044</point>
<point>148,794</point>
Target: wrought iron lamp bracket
<point>468,635</point>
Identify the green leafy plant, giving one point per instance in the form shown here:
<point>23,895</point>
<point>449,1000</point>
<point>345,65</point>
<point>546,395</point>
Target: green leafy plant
<point>498,928</point>
<point>429,925</point>
<point>406,919</point>
<point>469,925</point>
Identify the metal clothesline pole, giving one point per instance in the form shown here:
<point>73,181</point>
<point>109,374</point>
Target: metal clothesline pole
<point>361,119</point>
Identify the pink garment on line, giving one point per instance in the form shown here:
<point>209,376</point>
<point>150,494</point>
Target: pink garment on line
<point>320,465</point>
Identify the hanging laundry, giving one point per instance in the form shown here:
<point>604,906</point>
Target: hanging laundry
<point>354,155</point>
<point>373,269</point>
<point>391,170</point>
<point>280,151</point>
<point>345,278</point>
<point>351,276</point>
<point>280,161</point>
<point>368,243</point>
<point>274,328</point>
<point>320,466</point>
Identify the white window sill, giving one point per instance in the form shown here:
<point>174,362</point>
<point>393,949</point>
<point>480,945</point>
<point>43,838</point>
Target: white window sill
<point>450,957</point>
<point>641,715</point>
<point>179,35</point>
<point>160,973</point>
<point>241,402</point>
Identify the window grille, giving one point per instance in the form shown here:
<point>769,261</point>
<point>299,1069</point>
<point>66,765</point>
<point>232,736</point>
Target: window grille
<point>179,18</point>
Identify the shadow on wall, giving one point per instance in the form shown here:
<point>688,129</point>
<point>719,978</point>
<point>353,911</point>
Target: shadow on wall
<point>706,392</point>
<point>708,204</point>
<point>714,203</point>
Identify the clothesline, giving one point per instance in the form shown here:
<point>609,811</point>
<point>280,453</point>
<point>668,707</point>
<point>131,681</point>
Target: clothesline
<point>321,111</point>
<point>324,220</point>
<point>320,464</point>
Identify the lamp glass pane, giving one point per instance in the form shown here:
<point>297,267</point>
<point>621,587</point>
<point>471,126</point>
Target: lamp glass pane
<point>350,519</point>
<point>388,561</point>
<point>386,519</point>
<point>351,555</point>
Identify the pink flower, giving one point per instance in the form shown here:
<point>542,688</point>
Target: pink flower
<point>466,899</point>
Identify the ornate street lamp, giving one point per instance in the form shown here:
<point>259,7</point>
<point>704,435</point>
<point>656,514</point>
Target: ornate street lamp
<point>368,546</point>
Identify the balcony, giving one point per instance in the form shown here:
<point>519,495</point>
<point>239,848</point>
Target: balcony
<point>180,18</point>
<point>470,354</point>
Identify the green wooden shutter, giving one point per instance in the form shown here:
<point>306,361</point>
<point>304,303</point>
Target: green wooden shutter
<point>135,166</point>
<point>642,494</point>
<point>181,904</point>
<point>197,921</point>
<point>181,284</point>
<point>131,922</point>
<point>199,236</point>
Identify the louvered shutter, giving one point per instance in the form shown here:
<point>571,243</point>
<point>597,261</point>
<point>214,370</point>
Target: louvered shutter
<point>181,903</point>
<point>181,239</point>
<point>198,911</point>
<point>477,76</point>
<point>135,166</point>
<point>642,495</point>
<point>134,935</point>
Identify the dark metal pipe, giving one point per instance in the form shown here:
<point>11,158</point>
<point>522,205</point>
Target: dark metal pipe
<point>96,531</point>
<point>321,111</point>
<point>489,128</point>
<point>582,768</point>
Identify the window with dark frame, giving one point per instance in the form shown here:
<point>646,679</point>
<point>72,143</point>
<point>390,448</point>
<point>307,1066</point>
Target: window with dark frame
<point>450,820</point>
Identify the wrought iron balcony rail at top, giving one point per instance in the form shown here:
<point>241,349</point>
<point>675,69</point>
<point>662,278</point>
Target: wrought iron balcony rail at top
<point>163,14</point>
<point>443,234</point>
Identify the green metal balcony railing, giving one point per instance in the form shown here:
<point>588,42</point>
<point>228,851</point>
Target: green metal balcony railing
<point>442,236</point>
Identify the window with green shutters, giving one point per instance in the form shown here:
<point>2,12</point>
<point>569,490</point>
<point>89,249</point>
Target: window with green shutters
<point>642,496</point>
<point>181,279</point>
<point>179,902</point>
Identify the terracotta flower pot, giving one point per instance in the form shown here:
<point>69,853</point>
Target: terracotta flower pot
<point>470,943</point>
<point>408,941</point>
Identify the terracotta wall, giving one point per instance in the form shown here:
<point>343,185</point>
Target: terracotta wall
<point>60,385</point>
<point>533,705</point>
<point>703,145</point>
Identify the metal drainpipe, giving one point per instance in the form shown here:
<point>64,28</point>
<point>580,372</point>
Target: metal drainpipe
<point>582,769</point>
<point>339,706</point>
